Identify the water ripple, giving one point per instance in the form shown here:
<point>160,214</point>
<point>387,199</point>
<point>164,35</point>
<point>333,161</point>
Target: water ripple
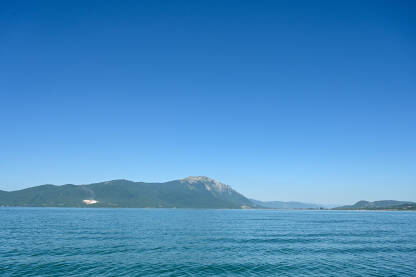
<point>163,242</point>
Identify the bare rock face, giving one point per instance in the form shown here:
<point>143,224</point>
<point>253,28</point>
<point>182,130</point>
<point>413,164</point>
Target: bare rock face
<point>89,201</point>
<point>210,184</point>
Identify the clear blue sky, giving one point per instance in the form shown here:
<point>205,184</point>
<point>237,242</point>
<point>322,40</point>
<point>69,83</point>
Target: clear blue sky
<point>283,100</point>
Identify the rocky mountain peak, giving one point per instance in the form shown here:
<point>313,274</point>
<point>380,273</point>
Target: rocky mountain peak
<point>210,184</point>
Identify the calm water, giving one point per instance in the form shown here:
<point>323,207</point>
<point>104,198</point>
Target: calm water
<point>168,242</point>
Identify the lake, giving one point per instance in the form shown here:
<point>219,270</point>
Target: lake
<point>187,242</point>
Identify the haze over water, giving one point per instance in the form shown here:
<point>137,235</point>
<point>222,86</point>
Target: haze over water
<point>186,242</point>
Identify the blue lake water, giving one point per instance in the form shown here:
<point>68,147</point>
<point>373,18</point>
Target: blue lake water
<point>181,242</point>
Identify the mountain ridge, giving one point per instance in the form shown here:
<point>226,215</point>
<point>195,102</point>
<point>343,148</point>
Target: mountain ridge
<point>190,192</point>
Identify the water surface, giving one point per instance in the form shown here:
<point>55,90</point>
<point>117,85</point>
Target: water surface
<point>181,242</point>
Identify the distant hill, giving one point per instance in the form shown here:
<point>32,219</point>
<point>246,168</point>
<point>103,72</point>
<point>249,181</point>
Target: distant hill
<point>380,205</point>
<point>286,205</point>
<point>191,192</point>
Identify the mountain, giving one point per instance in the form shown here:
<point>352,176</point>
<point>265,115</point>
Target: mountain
<point>286,205</point>
<point>380,205</point>
<point>191,192</point>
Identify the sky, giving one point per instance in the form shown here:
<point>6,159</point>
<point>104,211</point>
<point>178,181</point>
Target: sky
<point>283,100</point>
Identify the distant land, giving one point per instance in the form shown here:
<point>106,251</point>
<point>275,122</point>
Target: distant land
<point>192,192</point>
<point>290,205</point>
<point>380,205</point>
